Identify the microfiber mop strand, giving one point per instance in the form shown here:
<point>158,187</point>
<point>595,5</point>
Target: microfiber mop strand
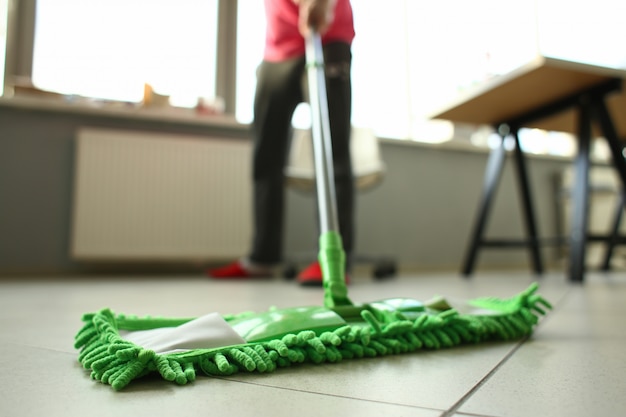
<point>380,330</point>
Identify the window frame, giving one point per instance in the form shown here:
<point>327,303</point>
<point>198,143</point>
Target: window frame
<point>20,41</point>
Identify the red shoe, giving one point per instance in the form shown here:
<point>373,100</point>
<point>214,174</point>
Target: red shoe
<point>311,276</point>
<point>236,270</point>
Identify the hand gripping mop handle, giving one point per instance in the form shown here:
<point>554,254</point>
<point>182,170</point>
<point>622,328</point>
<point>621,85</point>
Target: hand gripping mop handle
<point>332,257</point>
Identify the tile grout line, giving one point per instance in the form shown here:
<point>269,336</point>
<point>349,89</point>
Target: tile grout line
<point>326,394</point>
<point>456,406</point>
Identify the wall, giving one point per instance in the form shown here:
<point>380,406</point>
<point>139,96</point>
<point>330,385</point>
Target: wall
<point>421,214</point>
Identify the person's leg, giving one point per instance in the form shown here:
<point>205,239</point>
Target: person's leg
<point>277,95</point>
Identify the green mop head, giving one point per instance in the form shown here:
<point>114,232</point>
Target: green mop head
<point>119,348</point>
<point>274,339</point>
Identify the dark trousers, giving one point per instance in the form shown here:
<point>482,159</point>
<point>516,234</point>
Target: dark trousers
<point>279,90</point>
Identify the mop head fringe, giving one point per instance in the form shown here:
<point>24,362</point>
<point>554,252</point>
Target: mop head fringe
<point>378,329</point>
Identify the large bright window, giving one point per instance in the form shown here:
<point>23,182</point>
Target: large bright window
<point>589,32</point>
<point>409,57</point>
<point>109,49</point>
<point>412,57</point>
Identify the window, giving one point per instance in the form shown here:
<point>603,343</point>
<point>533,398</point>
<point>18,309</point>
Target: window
<point>109,49</point>
<point>250,43</point>
<point>590,32</point>
<point>409,57</point>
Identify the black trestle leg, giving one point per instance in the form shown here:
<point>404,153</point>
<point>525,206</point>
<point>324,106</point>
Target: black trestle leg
<point>528,208</point>
<point>493,172</point>
<point>580,193</point>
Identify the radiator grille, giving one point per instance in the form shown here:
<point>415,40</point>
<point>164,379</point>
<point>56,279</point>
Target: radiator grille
<point>145,196</point>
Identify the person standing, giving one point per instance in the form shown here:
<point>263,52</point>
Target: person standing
<point>279,91</point>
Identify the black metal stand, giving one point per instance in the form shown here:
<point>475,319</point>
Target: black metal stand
<point>493,173</point>
<point>614,239</point>
<point>591,107</point>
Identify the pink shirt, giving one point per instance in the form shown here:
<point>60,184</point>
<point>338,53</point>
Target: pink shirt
<point>283,39</point>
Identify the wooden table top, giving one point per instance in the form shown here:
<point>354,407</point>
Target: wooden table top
<point>531,86</point>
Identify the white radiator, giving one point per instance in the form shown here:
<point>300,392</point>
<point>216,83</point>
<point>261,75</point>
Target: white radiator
<point>146,196</point>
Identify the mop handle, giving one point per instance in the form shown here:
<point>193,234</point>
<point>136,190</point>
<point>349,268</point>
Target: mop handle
<point>332,257</point>
<point>320,127</point>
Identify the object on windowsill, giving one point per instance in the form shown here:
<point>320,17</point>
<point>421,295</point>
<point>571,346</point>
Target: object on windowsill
<point>154,99</point>
<point>210,107</point>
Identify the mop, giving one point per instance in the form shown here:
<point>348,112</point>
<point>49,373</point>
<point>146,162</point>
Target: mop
<point>119,348</point>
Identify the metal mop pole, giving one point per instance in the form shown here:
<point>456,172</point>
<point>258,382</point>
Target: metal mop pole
<point>331,256</point>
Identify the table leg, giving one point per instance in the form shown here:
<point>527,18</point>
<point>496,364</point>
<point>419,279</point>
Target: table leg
<point>603,117</point>
<point>613,238</point>
<point>490,184</point>
<point>580,194</point>
<point>527,205</point>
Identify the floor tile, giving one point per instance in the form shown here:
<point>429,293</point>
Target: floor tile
<point>573,366</point>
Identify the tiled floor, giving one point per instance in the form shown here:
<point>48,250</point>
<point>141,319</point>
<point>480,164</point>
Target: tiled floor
<point>574,365</point>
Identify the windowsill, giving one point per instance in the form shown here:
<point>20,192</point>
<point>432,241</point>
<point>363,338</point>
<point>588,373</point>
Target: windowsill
<point>463,145</point>
<point>186,116</point>
<point>175,115</point>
